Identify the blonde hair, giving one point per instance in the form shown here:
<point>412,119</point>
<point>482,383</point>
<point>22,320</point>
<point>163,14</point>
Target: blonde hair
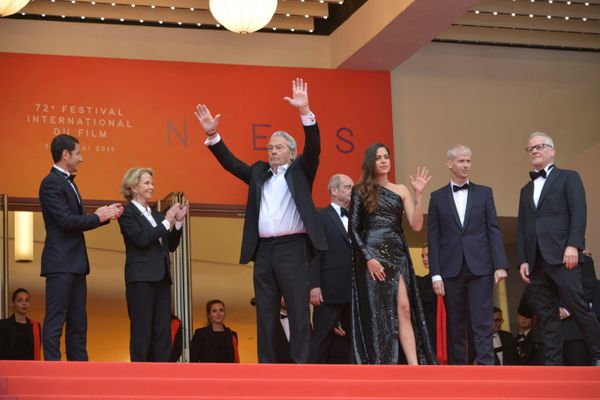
<point>131,178</point>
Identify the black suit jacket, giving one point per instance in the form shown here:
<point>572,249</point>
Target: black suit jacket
<point>479,241</point>
<point>331,270</point>
<point>509,349</point>
<point>65,221</point>
<point>203,347</point>
<point>557,222</point>
<point>8,331</point>
<point>299,177</point>
<point>146,260</point>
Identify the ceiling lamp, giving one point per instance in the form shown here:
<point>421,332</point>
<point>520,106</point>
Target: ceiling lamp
<point>242,16</point>
<point>9,7</point>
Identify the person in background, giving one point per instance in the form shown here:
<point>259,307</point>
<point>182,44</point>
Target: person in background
<point>526,348</point>
<point>215,342</point>
<point>19,335</point>
<point>331,279</point>
<point>504,344</point>
<point>428,296</point>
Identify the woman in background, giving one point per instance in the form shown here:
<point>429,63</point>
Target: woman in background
<point>215,342</point>
<point>386,309</point>
<point>19,335</point>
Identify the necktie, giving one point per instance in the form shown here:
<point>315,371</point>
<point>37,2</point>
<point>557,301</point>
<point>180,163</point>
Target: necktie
<point>457,188</point>
<point>343,212</point>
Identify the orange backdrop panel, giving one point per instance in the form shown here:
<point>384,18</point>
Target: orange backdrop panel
<point>129,113</point>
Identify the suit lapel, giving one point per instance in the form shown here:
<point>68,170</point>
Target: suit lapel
<point>70,190</point>
<point>529,196</point>
<point>259,184</point>
<point>470,194</point>
<point>337,221</point>
<point>452,206</point>
<point>546,188</point>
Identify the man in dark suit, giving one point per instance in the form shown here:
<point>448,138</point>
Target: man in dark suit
<point>550,236</point>
<point>466,256</point>
<point>524,341</point>
<point>281,229</point>
<point>331,277</point>
<point>505,348</point>
<point>64,258</point>
<point>428,297</point>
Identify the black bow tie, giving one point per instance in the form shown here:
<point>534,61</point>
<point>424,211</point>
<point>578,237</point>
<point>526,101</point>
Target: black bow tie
<point>457,188</point>
<point>542,172</point>
<point>71,178</point>
<point>343,212</point>
<point>282,316</point>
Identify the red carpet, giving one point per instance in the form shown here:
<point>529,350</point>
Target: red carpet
<point>31,380</point>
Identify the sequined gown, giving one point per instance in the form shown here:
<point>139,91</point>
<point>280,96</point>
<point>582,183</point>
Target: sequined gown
<point>379,235</point>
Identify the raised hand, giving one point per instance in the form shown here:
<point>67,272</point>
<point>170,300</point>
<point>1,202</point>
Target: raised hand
<point>172,212</point>
<point>182,212</point>
<point>207,121</point>
<point>299,98</point>
<point>421,179</point>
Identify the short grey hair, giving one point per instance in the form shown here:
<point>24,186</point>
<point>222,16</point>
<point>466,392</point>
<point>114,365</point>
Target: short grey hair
<point>549,140</point>
<point>131,178</point>
<point>289,139</point>
<point>456,150</point>
<point>334,182</point>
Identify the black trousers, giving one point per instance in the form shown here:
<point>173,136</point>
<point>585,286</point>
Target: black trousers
<point>66,296</point>
<point>281,269</point>
<point>149,308</point>
<point>325,346</point>
<point>555,285</point>
<point>469,298</point>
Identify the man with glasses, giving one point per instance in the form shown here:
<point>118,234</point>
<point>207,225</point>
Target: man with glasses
<point>505,349</point>
<point>550,239</point>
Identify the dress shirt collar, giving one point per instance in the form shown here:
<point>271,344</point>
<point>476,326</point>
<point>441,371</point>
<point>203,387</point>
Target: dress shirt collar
<point>144,210</point>
<point>452,183</point>
<point>64,171</point>
<point>280,170</point>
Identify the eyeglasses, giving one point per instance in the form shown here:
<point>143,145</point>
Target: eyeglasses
<point>498,320</point>
<point>537,147</point>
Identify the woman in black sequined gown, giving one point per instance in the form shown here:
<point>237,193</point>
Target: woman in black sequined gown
<point>389,325</point>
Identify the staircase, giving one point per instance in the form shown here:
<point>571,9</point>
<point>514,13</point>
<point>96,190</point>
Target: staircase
<point>35,380</point>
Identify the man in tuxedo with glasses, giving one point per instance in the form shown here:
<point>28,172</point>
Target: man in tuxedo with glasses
<point>550,240</point>
<point>64,257</point>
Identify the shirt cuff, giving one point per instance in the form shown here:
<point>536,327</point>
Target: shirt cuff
<point>178,225</point>
<point>308,119</point>
<point>211,140</point>
<point>436,278</point>
<point>166,224</point>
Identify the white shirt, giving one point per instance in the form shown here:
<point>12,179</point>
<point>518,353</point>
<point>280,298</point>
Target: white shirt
<point>538,184</point>
<point>344,219</point>
<point>498,344</point>
<point>148,214</point>
<point>68,180</point>
<point>460,200</point>
<point>278,214</point>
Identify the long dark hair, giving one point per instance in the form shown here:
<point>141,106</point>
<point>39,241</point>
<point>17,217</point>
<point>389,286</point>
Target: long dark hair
<point>367,185</point>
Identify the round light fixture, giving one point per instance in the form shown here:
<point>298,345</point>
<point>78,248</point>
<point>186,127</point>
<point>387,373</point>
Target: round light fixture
<point>9,7</point>
<point>243,16</point>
